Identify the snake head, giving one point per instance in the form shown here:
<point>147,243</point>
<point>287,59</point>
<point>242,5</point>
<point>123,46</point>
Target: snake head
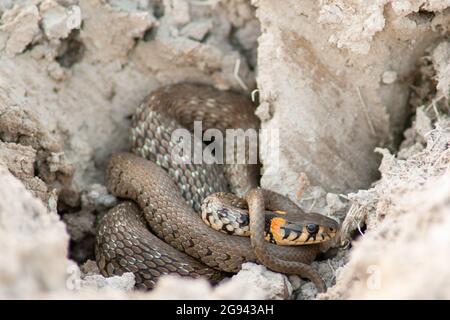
<point>307,230</point>
<point>321,232</point>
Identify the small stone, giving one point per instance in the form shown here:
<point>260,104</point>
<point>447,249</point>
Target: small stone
<point>89,268</point>
<point>56,71</point>
<point>262,283</point>
<point>263,111</point>
<point>295,281</point>
<point>19,28</point>
<point>124,282</point>
<point>389,77</point>
<point>58,21</point>
<point>197,30</point>
<point>177,11</point>
<point>97,197</point>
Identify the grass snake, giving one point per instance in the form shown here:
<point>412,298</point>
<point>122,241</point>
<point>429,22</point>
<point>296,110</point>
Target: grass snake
<point>160,229</point>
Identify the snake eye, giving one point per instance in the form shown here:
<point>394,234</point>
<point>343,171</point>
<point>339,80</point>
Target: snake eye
<point>331,229</point>
<point>312,228</point>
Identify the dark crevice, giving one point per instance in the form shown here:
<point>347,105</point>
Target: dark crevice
<point>421,17</point>
<point>423,93</point>
<point>69,201</point>
<point>82,250</point>
<point>158,10</point>
<point>71,50</point>
<point>29,47</point>
<point>356,234</point>
<point>206,37</point>
<point>150,34</point>
<point>64,208</point>
<point>423,89</point>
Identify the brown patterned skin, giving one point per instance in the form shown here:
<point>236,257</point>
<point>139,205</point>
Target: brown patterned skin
<point>170,194</point>
<point>125,244</point>
<point>178,106</point>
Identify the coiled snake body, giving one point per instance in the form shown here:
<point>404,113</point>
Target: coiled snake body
<point>169,196</point>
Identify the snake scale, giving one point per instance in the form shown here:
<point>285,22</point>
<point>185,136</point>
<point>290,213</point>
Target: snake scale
<point>161,230</point>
